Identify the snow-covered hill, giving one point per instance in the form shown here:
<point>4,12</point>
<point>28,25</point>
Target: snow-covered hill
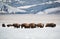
<point>11,9</point>
<point>30,7</point>
<point>50,11</point>
<point>14,9</point>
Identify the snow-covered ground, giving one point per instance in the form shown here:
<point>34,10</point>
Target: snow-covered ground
<point>36,33</point>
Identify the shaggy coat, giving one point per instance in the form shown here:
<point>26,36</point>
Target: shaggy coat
<point>40,25</point>
<point>25,25</point>
<point>32,25</point>
<point>50,25</point>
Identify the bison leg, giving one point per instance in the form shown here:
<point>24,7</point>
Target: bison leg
<point>22,26</point>
<point>33,26</point>
<point>17,26</point>
<point>26,27</point>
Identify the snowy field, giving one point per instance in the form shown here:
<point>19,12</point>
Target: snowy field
<point>36,33</point>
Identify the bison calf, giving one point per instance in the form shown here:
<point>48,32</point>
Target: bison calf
<point>50,25</point>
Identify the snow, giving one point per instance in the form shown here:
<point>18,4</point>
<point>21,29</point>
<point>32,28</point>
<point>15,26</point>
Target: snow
<point>52,10</point>
<point>41,12</point>
<point>25,7</point>
<point>28,6</point>
<point>22,8</point>
<point>36,33</point>
<point>13,9</point>
<point>3,12</point>
<point>47,11</point>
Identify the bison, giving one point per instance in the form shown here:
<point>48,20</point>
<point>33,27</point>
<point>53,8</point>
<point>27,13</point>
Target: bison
<point>50,25</point>
<point>32,25</point>
<point>16,25</point>
<point>40,25</point>
<point>25,25</point>
<point>3,25</point>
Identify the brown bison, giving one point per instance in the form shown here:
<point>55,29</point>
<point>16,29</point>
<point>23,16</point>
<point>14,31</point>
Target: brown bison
<point>25,25</point>
<point>16,25</point>
<point>32,25</point>
<point>8,25</point>
<point>50,25</point>
<point>3,25</point>
<point>40,25</point>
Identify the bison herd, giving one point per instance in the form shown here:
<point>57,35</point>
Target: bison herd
<point>30,25</point>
